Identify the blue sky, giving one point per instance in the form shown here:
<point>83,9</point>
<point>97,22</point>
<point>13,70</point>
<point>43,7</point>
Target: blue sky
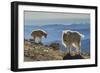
<point>44,18</point>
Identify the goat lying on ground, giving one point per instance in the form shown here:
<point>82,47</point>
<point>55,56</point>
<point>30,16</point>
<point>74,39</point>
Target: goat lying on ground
<point>72,39</point>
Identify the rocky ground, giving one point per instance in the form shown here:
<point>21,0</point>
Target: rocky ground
<point>40,52</point>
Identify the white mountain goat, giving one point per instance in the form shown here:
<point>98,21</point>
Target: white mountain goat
<point>38,34</point>
<point>72,39</point>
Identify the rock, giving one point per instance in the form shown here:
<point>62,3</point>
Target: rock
<point>69,57</point>
<point>55,46</point>
<point>39,52</point>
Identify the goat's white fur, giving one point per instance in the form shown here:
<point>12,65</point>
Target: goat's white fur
<point>41,30</point>
<point>65,31</point>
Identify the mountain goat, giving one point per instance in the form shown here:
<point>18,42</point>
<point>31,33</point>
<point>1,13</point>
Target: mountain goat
<point>72,39</point>
<point>38,34</point>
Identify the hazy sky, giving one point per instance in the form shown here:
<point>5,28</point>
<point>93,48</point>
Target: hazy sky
<point>44,18</point>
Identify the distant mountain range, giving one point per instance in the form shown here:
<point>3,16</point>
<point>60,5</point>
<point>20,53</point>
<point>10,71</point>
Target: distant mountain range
<point>62,26</point>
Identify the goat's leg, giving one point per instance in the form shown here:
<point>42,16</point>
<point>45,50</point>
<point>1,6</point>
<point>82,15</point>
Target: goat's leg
<point>33,39</point>
<point>67,47</point>
<point>68,50</point>
<point>75,45</point>
<point>40,41</point>
<point>71,53</point>
<point>37,40</point>
<point>78,50</point>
